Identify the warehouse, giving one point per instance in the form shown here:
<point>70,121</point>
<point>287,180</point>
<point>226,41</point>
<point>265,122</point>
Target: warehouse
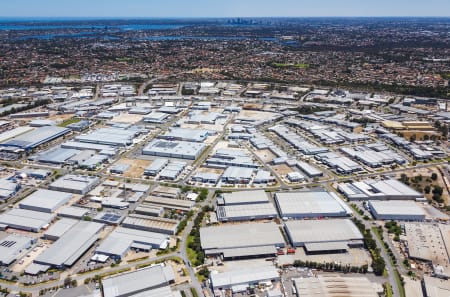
<point>243,197</point>
<point>324,236</point>
<point>119,168</point>
<point>122,239</point>
<point>310,170</point>
<point>371,189</point>
<point>56,155</point>
<point>205,177</point>
<point>71,245</point>
<point>77,184</point>
<point>335,285</point>
<point>152,224</point>
<point>246,212</point>
<point>27,220</point>
<point>172,170</point>
<point>59,228</point>
<point>231,157</point>
<point>139,282</point>
<point>192,135</point>
<point>149,210</point>
<point>237,175</point>
<point>217,240</point>
<point>45,200</point>
<point>240,280</point>
<point>170,203</point>
<point>156,117</point>
<point>396,210</point>
<point>341,164</point>
<point>8,188</point>
<point>174,149</point>
<point>35,138</point>
<point>73,212</point>
<point>103,149</point>
<point>110,136</point>
<point>13,246</point>
<point>155,167</point>
<point>310,204</point>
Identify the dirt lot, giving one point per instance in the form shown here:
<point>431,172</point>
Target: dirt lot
<point>426,174</point>
<point>257,115</point>
<point>137,167</point>
<point>128,118</point>
<point>210,170</point>
<point>265,155</point>
<point>282,169</point>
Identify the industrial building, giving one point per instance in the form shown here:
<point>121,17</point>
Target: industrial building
<point>122,239</point>
<point>397,210</point>
<point>341,164</point>
<point>245,206</point>
<point>77,184</point>
<point>71,245</point>
<point>237,175</point>
<point>335,285</point>
<point>73,212</point>
<point>243,197</point>
<point>241,240</point>
<point>152,224</point>
<point>246,212</point>
<point>27,220</point>
<point>156,166</point>
<point>170,203</point>
<point>13,246</point>
<point>8,188</point>
<point>310,204</point>
<point>110,136</point>
<point>174,149</point>
<point>371,189</point>
<point>35,138</point>
<point>324,236</point>
<point>59,228</point>
<point>192,135</point>
<point>156,117</point>
<point>45,200</point>
<point>140,282</point>
<point>239,281</point>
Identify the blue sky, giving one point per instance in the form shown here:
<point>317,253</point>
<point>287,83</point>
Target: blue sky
<point>222,8</point>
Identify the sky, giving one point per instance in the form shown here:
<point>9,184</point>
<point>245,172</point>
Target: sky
<point>222,8</point>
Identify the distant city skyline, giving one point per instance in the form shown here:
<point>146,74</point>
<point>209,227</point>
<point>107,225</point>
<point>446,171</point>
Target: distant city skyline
<point>230,8</point>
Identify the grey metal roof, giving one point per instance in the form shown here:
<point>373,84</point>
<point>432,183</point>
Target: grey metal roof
<point>72,245</point>
<point>60,227</point>
<point>309,231</point>
<point>12,246</point>
<point>243,197</point>
<point>138,281</point>
<point>35,138</point>
<point>45,200</point>
<point>26,219</point>
<point>309,204</point>
<point>240,235</point>
<point>75,182</point>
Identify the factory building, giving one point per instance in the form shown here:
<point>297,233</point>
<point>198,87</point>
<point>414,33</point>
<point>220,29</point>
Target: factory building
<point>33,139</point>
<point>45,200</point>
<point>324,236</point>
<point>152,224</point>
<point>183,134</point>
<point>77,184</point>
<point>237,175</point>
<point>247,240</point>
<point>371,189</point>
<point>13,246</point>
<point>155,167</point>
<point>239,281</point>
<point>27,220</point>
<point>150,281</point>
<point>113,136</point>
<point>123,239</point>
<point>397,210</point>
<point>71,245</point>
<point>310,204</point>
<point>174,149</point>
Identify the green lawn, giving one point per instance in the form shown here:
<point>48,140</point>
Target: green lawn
<point>192,255</point>
<point>69,121</point>
<point>286,65</point>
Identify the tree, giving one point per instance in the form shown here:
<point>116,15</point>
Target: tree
<point>434,176</point>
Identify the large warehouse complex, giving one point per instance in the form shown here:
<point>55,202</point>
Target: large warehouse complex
<point>241,240</point>
<point>319,236</point>
<point>370,189</point>
<point>77,184</point>
<point>27,220</point>
<point>239,280</point>
<point>45,200</point>
<point>150,281</point>
<point>310,204</point>
<point>397,210</point>
<point>35,138</point>
<point>174,149</point>
<point>71,245</point>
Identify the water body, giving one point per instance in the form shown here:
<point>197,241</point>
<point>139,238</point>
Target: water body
<point>63,26</point>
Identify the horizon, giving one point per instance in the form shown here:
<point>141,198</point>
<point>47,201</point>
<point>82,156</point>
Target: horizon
<point>230,9</point>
